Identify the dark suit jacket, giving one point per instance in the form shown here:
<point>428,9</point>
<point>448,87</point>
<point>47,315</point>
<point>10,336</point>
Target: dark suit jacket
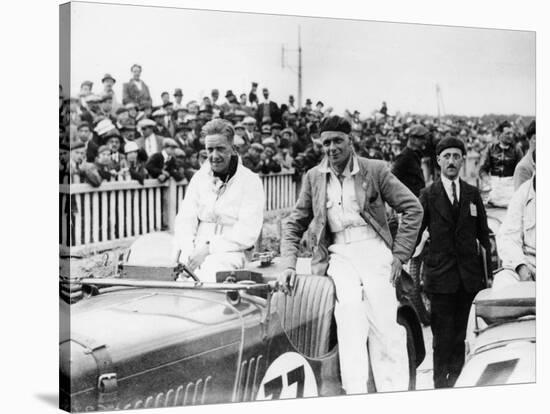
<point>453,249</point>
<point>156,165</point>
<point>274,113</point>
<point>131,93</point>
<point>408,168</point>
<point>374,186</point>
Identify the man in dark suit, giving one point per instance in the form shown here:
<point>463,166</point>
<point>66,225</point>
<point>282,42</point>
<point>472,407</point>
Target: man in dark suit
<point>136,90</point>
<point>163,165</point>
<point>457,223</point>
<point>408,164</point>
<point>268,109</point>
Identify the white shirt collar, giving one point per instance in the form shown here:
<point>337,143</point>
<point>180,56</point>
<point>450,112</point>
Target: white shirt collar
<point>324,166</point>
<point>447,185</point>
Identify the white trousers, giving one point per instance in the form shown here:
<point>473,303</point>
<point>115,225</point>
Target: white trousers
<point>505,277</point>
<point>366,310</point>
<point>218,262</point>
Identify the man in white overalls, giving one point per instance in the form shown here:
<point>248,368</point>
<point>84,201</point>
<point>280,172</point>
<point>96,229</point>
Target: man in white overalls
<point>344,199</point>
<point>222,213</point>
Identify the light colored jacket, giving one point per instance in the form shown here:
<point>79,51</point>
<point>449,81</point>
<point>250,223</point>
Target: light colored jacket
<point>516,238</point>
<point>375,185</point>
<point>237,208</point>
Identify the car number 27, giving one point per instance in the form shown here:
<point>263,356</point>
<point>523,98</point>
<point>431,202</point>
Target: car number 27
<point>289,376</point>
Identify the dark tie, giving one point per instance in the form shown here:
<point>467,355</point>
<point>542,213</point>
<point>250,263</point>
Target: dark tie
<point>455,200</point>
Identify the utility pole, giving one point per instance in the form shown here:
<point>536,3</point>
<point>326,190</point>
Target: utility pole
<point>293,69</point>
<point>439,99</point>
<point>299,69</point>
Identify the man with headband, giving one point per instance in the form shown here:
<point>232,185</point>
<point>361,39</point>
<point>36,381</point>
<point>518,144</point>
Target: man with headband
<point>343,198</point>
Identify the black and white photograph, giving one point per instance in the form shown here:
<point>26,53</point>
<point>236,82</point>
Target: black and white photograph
<point>237,223</point>
<point>262,207</point>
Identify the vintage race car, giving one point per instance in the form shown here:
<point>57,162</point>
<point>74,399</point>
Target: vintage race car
<point>144,339</point>
<point>500,338</point>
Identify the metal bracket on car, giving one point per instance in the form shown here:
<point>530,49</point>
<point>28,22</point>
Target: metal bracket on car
<point>107,386</point>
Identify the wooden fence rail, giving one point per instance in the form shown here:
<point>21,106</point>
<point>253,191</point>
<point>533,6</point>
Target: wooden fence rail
<point>98,217</point>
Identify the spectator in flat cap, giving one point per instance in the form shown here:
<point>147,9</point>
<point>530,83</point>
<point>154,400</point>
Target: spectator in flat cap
<point>526,167</point>
<point>115,143</point>
<point>178,99</point>
<point>135,90</point>
<point>96,172</point>
<point>291,105</point>
<point>408,164</point>
<point>214,96</point>
<point>243,105</point>
<point>163,165</point>
<point>106,107</point>
<point>77,155</point>
<point>85,91</point>
<point>308,106</point>
<point>253,95</point>
<point>108,82</point>
<point>165,98</point>
<point>159,116</point>
<point>268,109</point>
<point>253,157</point>
<point>250,126</point>
<point>132,167</point>
<point>150,142</point>
<point>83,134</point>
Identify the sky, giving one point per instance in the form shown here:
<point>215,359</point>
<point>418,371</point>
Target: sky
<point>348,64</point>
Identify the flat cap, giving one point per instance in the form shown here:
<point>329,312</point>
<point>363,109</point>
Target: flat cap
<point>178,92</point>
<point>146,122</point>
<point>104,126</point>
<point>103,148</point>
<point>450,142</point>
<point>257,146</point>
<point>108,76</point>
<point>169,142</point>
<point>160,112</point>
<point>130,146</point>
<point>418,131</point>
<point>76,145</point>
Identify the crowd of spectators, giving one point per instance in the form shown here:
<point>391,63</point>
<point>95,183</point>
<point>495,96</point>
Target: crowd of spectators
<point>104,137</point>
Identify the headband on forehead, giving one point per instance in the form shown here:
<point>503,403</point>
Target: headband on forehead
<point>330,134</point>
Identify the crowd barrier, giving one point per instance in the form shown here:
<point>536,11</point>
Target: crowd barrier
<point>101,217</point>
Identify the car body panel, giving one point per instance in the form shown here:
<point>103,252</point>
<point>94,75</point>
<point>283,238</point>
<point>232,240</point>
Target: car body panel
<point>501,337</point>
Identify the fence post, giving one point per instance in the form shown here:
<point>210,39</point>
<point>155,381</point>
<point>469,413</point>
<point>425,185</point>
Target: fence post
<point>169,205</point>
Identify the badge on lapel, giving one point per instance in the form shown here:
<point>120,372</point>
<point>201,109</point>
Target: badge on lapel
<point>473,210</point>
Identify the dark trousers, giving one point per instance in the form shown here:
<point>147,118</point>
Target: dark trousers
<point>449,317</point>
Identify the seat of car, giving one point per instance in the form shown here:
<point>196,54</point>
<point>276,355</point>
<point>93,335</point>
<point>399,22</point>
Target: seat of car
<point>307,315</point>
<point>506,303</point>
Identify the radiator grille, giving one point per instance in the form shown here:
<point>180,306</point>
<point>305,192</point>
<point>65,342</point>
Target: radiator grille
<point>248,379</point>
<point>192,393</point>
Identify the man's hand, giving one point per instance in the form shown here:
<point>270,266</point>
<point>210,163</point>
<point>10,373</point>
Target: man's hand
<point>288,280</point>
<point>525,274</point>
<point>163,177</point>
<point>396,267</point>
<point>197,257</point>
